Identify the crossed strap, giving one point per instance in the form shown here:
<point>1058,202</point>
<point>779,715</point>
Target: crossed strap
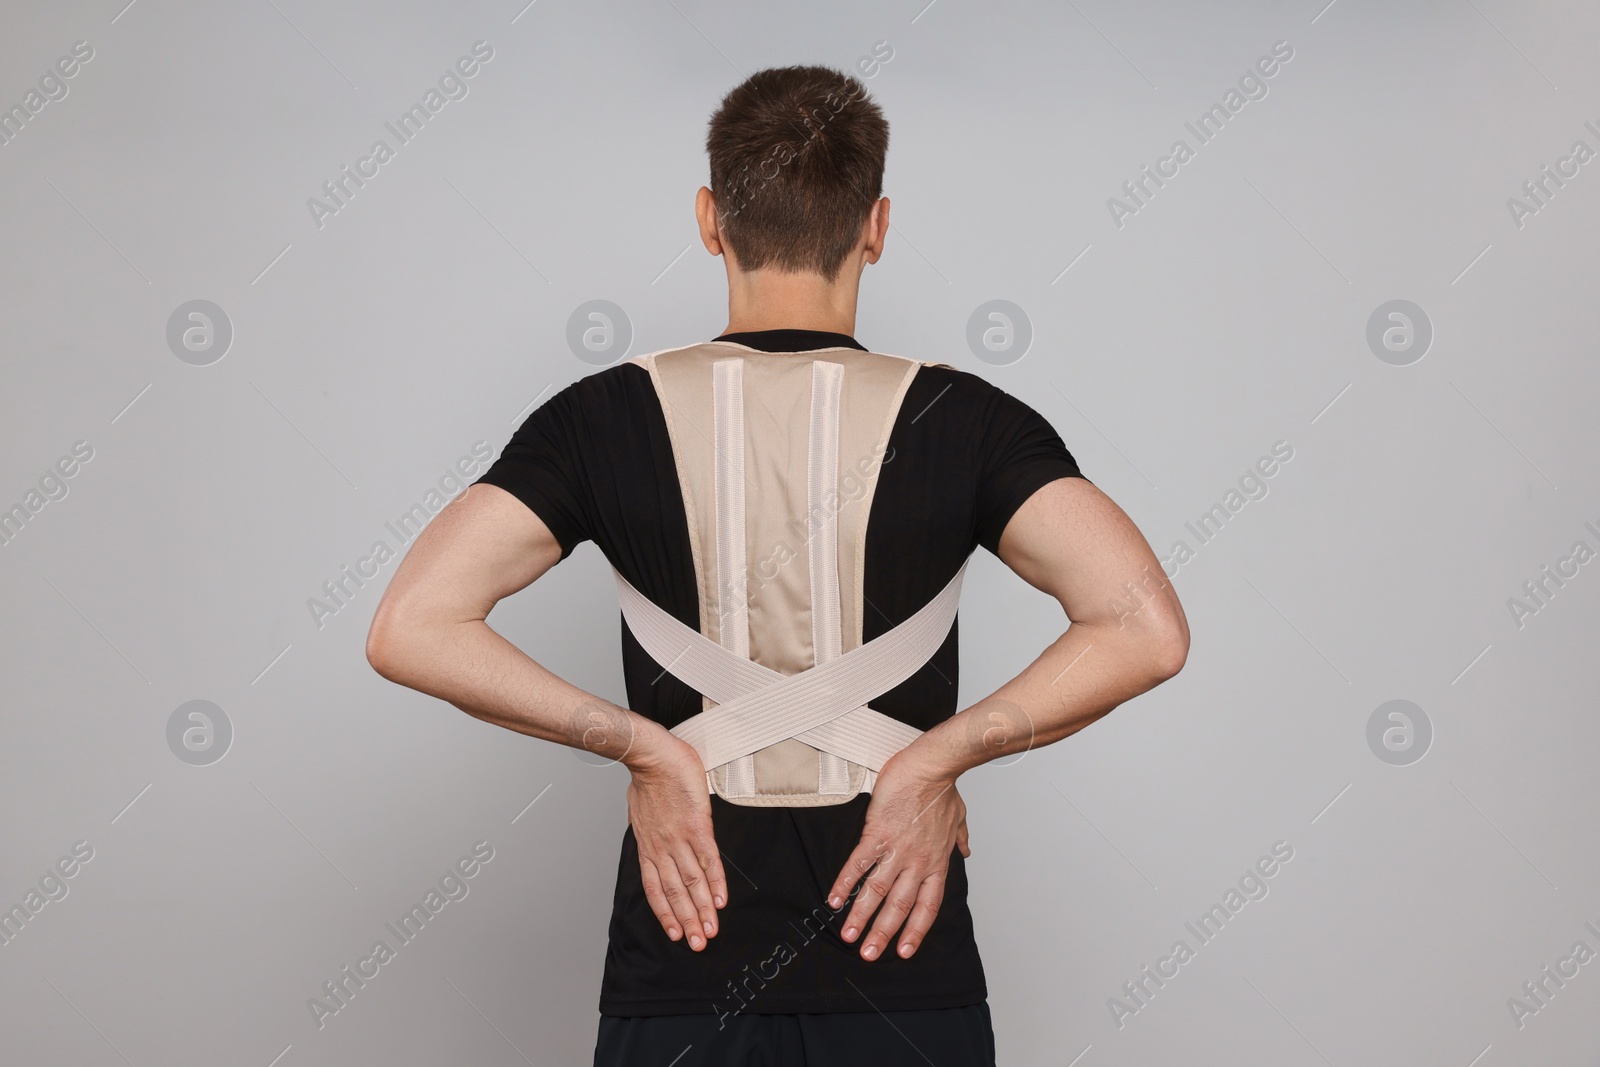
<point>823,706</point>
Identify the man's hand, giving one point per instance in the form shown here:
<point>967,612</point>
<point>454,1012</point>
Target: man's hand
<point>914,819</point>
<point>670,811</point>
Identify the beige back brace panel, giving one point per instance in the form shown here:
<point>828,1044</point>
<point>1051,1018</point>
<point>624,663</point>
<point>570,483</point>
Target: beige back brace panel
<point>777,456</point>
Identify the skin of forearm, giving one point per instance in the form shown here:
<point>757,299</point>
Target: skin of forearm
<point>467,664</point>
<point>1086,673</point>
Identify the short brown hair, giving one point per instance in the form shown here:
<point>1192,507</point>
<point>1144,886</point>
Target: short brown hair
<point>797,158</point>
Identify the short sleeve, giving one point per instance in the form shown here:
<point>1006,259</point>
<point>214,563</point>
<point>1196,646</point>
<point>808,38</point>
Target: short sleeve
<point>539,467</point>
<point>1020,454</point>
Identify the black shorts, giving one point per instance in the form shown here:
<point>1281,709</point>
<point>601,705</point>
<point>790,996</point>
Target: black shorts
<point>943,1037</point>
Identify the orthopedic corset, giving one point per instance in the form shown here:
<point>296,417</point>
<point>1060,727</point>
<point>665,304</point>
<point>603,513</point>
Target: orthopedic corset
<point>779,661</point>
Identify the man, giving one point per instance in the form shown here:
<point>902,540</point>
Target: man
<point>780,496</point>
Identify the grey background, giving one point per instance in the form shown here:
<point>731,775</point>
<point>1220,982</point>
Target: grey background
<point>368,355</point>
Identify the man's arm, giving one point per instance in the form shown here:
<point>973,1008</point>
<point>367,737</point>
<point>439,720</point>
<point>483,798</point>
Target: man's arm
<point>1128,634</point>
<point>429,633</point>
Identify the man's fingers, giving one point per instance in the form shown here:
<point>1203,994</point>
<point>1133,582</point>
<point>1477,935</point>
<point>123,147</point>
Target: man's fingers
<point>961,840</point>
<point>896,906</point>
<point>873,891</point>
<point>711,863</point>
<point>680,901</point>
<point>859,863</point>
<point>849,875</point>
<point>695,880</point>
<point>930,894</point>
<point>656,898</point>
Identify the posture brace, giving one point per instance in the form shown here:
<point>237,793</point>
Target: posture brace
<point>769,736</point>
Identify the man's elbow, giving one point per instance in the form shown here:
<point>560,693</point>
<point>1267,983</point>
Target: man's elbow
<point>379,651</point>
<point>1157,641</point>
<point>1169,650</point>
<point>385,641</point>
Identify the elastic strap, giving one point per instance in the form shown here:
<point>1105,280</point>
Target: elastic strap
<point>733,609</point>
<point>822,525</point>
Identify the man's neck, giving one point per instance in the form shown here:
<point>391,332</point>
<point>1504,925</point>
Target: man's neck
<point>770,300</point>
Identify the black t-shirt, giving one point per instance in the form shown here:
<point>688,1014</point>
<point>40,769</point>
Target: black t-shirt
<point>595,462</point>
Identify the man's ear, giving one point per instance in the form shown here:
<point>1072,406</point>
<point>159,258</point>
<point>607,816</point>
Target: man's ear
<point>705,210</point>
<point>877,228</point>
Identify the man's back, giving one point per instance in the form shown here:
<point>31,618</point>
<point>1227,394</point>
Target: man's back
<point>932,462</point>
